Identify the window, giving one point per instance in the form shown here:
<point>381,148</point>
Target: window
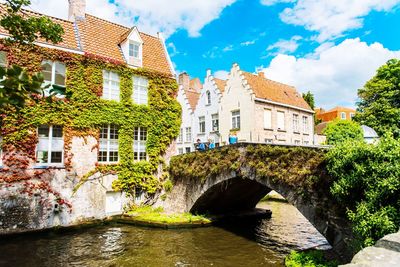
<point>3,59</point>
<point>180,137</point>
<point>352,115</point>
<point>50,148</point>
<point>305,124</point>
<point>139,144</point>
<point>180,151</point>
<point>306,143</point>
<point>202,124</point>
<point>297,142</point>
<point>1,151</point>
<point>110,85</point>
<point>343,115</point>
<point>208,98</point>
<point>187,149</point>
<point>215,122</point>
<point>53,74</point>
<point>134,49</point>
<point>295,123</point>
<point>108,149</point>
<point>267,119</point>
<point>188,134</point>
<point>268,141</point>
<point>236,119</point>
<point>140,86</point>
<point>281,120</point>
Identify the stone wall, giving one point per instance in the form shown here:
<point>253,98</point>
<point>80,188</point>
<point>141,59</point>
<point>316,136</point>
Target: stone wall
<point>53,198</point>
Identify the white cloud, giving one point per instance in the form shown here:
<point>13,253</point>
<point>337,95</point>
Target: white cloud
<point>221,74</point>
<point>330,19</point>
<point>227,48</point>
<point>285,46</point>
<point>334,75</point>
<point>247,43</point>
<point>273,2</point>
<point>150,16</point>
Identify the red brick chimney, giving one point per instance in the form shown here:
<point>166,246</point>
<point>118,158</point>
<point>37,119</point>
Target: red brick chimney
<point>184,80</point>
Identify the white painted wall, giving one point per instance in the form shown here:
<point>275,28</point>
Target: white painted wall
<point>187,121</point>
<point>237,96</point>
<point>207,110</point>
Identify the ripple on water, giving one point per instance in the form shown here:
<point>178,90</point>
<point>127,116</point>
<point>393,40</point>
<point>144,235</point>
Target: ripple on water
<point>253,244</point>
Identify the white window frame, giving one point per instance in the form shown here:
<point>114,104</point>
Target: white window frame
<point>107,81</point>
<point>215,122</point>
<point>1,151</point>
<point>296,123</point>
<point>352,115</point>
<point>267,118</point>
<point>297,142</point>
<point>235,114</point>
<point>50,140</point>
<point>139,143</point>
<point>5,63</point>
<point>108,141</point>
<point>140,94</point>
<point>202,124</point>
<point>188,134</point>
<point>180,136</point>
<point>343,117</point>
<point>53,75</point>
<point>283,128</point>
<point>306,127</point>
<point>137,44</point>
<point>188,149</point>
<point>180,150</point>
<point>208,97</point>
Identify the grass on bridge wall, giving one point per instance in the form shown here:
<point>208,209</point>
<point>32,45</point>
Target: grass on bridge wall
<point>300,167</point>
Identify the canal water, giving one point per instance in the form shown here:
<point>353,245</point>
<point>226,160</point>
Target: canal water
<point>250,243</point>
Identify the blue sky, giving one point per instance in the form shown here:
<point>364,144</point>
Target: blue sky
<point>328,47</point>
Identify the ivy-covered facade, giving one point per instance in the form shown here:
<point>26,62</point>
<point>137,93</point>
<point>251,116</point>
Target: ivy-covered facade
<point>115,121</point>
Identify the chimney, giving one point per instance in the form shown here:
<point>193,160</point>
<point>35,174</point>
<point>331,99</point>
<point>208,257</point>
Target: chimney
<point>77,10</point>
<point>184,80</point>
<point>261,74</point>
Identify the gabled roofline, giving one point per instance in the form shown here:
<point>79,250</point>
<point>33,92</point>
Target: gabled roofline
<point>171,66</point>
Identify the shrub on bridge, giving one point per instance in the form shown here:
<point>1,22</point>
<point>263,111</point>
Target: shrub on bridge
<point>368,186</point>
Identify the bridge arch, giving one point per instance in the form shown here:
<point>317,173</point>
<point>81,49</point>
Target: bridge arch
<point>235,178</point>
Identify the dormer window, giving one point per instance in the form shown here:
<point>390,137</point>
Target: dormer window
<point>132,47</point>
<point>134,50</point>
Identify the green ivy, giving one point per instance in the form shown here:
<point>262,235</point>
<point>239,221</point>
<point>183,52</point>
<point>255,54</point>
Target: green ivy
<point>84,112</point>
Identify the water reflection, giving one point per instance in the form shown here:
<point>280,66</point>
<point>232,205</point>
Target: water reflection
<point>263,243</point>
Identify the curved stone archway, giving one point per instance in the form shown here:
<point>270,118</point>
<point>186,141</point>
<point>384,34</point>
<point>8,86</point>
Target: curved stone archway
<point>221,190</point>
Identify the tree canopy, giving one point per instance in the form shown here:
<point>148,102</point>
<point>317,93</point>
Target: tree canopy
<point>379,105</point>
<point>339,131</point>
<point>309,98</point>
<point>16,84</point>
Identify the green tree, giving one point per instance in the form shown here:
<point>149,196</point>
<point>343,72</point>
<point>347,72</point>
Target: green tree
<point>16,84</point>
<point>368,185</point>
<point>379,105</point>
<point>339,131</point>
<point>309,98</point>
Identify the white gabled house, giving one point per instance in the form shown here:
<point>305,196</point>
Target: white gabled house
<point>188,95</point>
<point>206,115</point>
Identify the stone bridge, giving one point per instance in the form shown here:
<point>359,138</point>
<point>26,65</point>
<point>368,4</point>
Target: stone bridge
<point>235,178</point>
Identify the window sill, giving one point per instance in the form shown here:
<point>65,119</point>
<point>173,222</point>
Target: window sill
<point>49,167</point>
<point>201,133</point>
<point>282,131</point>
<point>306,134</point>
<point>214,132</point>
<point>296,132</point>
<point>268,129</point>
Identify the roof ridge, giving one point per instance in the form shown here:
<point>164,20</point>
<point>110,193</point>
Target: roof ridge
<point>122,26</point>
<point>266,79</point>
<point>38,13</point>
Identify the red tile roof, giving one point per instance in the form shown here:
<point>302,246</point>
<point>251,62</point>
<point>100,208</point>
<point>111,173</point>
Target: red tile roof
<point>101,37</point>
<point>193,97</point>
<point>275,91</point>
<point>220,84</point>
